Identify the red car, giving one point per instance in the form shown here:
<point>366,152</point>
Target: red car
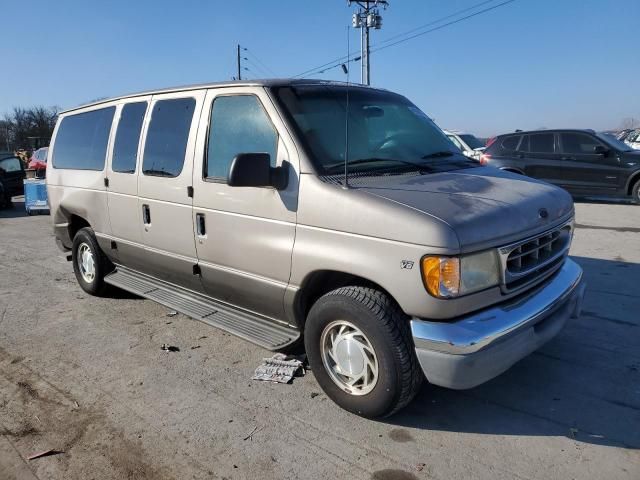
<point>39,159</point>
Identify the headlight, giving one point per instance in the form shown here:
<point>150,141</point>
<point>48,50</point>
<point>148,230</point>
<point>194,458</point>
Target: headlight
<point>446,277</point>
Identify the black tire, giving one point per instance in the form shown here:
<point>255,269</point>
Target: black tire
<point>5,199</point>
<point>635,192</point>
<point>387,330</point>
<point>102,265</point>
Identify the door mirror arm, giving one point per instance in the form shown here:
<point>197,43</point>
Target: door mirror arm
<point>601,150</point>
<point>280,176</point>
<point>255,170</point>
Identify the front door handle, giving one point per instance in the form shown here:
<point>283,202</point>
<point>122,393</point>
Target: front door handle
<point>201,228</point>
<point>146,215</point>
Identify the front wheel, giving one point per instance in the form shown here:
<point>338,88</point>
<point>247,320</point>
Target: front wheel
<point>635,192</point>
<point>359,346</point>
<point>89,263</point>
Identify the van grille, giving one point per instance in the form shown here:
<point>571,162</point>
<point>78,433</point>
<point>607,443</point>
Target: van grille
<point>529,260</point>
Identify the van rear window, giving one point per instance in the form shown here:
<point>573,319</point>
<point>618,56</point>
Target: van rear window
<point>81,141</point>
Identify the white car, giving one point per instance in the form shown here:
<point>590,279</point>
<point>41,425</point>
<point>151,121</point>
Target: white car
<point>633,139</point>
<point>467,142</point>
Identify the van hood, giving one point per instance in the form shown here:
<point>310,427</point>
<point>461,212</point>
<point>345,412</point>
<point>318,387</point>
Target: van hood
<point>485,207</point>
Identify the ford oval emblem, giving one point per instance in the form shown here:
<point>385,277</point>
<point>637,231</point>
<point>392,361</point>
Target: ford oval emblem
<point>543,213</point>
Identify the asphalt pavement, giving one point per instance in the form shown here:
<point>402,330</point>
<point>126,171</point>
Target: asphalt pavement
<point>86,378</point>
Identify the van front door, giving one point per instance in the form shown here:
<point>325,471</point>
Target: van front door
<point>164,188</point>
<point>244,235</point>
<point>122,185</point>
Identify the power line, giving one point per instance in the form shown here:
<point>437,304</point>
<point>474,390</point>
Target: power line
<point>259,68</point>
<point>385,43</point>
<point>264,66</point>
<point>439,27</point>
<point>454,14</point>
<point>433,22</point>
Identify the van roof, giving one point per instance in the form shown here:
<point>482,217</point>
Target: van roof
<point>272,82</point>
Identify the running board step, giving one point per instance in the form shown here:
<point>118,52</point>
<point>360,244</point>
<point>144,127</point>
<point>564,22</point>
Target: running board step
<point>245,325</point>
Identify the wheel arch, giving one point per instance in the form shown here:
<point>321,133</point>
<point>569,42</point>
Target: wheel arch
<point>76,222</point>
<point>320,282</point>
<point>633,179</point>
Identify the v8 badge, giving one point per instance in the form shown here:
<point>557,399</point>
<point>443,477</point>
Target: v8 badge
<point>406,264</point>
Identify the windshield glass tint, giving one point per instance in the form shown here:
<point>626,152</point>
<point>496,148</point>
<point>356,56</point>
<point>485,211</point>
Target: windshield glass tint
<point>385,129</point>
<point>614,142</point>
<point>472,141</point>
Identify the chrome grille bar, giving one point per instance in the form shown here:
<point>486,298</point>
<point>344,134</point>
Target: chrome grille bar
<point>532,259</point>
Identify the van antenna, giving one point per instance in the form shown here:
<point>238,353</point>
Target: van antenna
<point>345,69</point>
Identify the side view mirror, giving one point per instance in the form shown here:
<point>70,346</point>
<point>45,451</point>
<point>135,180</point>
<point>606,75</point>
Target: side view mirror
<point>601,150</point>
<point>255,170</point>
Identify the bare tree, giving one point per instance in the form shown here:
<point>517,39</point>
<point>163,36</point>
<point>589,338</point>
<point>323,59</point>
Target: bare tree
<point>27,127</point>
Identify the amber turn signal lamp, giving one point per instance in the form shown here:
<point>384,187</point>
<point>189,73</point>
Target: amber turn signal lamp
<point>441,276</point>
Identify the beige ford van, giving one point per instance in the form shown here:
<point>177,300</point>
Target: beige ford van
<point>322,214</point>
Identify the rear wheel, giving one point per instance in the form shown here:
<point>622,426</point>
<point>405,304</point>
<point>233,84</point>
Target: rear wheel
<point>89,263</point>
<point>359,347</point>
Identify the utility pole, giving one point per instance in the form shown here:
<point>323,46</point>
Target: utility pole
<point>368,16</point>
<point>239,67</point>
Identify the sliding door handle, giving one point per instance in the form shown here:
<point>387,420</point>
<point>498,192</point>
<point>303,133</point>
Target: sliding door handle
<point>146,215</point>
<point>201,228</point>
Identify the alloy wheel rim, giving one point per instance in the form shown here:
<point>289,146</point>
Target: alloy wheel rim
<point>86,263</point>
<point>349,358</point>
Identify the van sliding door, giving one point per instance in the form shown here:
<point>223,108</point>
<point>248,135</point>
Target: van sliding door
<point>122,183</point>
<point>164,209</point>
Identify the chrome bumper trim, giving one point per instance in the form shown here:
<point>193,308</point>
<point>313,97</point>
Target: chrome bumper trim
<point>474,332</point>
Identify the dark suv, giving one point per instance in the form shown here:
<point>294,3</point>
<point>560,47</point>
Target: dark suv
<point>583,162</point>
<point>11,176</point>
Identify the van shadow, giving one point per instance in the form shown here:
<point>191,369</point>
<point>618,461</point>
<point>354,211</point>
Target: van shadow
<point>583,384</point>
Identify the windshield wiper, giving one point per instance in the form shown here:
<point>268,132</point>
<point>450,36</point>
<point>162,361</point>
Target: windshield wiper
<point>443,153</point>
<point>361,161</point>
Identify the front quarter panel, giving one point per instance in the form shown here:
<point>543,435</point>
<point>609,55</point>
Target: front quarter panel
<point>352,232</point>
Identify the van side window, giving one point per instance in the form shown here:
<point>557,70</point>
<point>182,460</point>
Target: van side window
<point>125,149</point>
<point>166,143</point>
<point>238,124</point>
<point>81,141</point>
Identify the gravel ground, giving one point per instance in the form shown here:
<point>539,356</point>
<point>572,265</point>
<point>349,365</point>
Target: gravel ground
<point>86,376</point>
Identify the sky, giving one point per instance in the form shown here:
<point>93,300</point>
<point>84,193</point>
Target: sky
<point>528,64</point>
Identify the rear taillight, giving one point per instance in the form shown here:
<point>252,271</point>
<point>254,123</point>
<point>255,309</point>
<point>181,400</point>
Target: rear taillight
<point>484,158</point>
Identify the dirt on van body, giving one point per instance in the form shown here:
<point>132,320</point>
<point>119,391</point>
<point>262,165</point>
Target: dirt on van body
<point>86,377</point>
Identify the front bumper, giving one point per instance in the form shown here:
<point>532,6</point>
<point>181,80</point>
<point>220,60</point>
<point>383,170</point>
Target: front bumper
<point>477,347</point>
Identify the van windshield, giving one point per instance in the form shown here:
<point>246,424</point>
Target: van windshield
<point>385,130</point>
